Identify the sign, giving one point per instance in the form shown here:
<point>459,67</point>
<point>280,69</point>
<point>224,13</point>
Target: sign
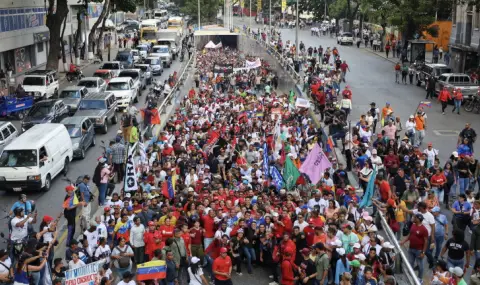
<point>284,6</point>
<point>85,275</point>
<point>223,68</point>
<point>253,64</point>
<point>131,183</point>
<point>22,60</point>
<point>41,37</point>
<point>302,103</point>
<point>259,6</point>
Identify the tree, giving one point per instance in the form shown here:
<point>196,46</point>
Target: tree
<point>62,44</point>
<point>414,17</point>
<point>56,15</point>
<point>347,9</point>
<point>91,36</point>
<point>208,11</point>
<point>317,8</point>
<point>100,36</point>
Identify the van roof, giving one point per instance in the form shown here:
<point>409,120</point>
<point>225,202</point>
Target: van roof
<point>35,137</point>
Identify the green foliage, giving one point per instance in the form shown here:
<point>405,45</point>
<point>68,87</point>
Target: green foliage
<point>317,8</point>
<point>208,10</point>
<point>337,9</point>
<point>126,5</point>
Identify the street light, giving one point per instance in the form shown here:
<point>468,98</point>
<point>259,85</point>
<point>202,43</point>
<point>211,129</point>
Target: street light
<point>198,14</point>
<point>296,34</point>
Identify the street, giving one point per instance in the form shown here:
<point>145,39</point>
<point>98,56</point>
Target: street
<point>50,203</point>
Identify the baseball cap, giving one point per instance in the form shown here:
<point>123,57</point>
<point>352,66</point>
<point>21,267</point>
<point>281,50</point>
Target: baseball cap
<point>360,256</point>
<point>70,188</point>
<point>355,263</point>
<point>223,250</point>
<point>151,223</point>
<point>419,216</point>
<point>356,245</point>
<point>128,195</point>
<point>305,251</point>
<point>456,271</point>
<point>436,209</point>
<point>387,245</point>
<point>194,260</point>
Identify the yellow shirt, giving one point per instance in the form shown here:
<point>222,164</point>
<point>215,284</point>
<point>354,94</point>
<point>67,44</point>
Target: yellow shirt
<point>173,220</point>
<point>399,214</point>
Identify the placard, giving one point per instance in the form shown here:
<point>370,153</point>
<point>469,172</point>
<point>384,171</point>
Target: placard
<point>223,68</point>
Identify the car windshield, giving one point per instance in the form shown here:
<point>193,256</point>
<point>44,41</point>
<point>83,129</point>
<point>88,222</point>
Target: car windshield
<point>40,110</point>
<point>19,158</point>
<point>70,94</point>
<point>92,105</point>
<point>103,75</point>
<point>123,57</point>
<point>110,66</point>
<point>161,50</point>
<point>151,61</point>
<point>149,35</point>
<point>88,83</point>
<point>117,86</point>
<point>36,81</point>
<point>132,75</point>
<point>347,35</point>
<point>74,131</point>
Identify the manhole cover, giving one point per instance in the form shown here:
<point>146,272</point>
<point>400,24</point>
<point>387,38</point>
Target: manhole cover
<point>446,133</point>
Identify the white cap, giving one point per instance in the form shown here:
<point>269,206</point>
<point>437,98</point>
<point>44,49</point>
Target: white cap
<point>388,245</point>
<point>194,260</point>
<point>360,256</point>
<point>455,154</point>
<point>337,242</point>
<point>190,189</point>
<point>456,271</point>
<point>356,245</point>
<point>368,218</point>
<point>341,251</point>
<point>128,195</point>
<point>374,151</point>
<point>412,117</point>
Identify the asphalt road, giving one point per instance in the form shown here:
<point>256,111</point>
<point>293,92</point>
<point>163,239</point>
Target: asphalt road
<point>372,79</point>
<point>50,203</point>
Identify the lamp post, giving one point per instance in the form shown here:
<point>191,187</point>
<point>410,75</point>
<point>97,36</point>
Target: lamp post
<point>198,3</point>
<point>250,15</point>
<point>296,34</point>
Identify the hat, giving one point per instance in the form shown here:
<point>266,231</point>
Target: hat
<point>456,271</point>
<point>194,260</point>
<point>128,195</point>
<point>73,241</point>
<point>360,256</point>
<point>311,221</point>
<point>436,209</point>
<point>119,132</point>
<point>372,104</point>
<point>387,245</point>
<point>3,252</point>
<point>419,216</point>
<point>70,188</point>
<point>151,223</point>
<point>107,209</point>
<point>190,189</point>
<point>455,154</point>
<point>129,208</point>
<point>340,251</point>
<point>405,138</point>
<point>240,231</point>
<point>412,117</point>
<point>128,274</point>
<point>374,151</point>
<point>355,263</point>
<point>304,207</point>
<point>356,245</point>
<point>305,251</point>
<point>368,218</point>
<point>47,219</point>
<point>223,250</point>
<point>392,203</point>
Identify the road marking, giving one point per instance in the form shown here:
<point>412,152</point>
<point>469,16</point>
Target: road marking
<point>446,133</point>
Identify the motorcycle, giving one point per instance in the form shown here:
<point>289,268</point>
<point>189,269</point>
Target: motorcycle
<point>74,75</point>
<point>473,104</point>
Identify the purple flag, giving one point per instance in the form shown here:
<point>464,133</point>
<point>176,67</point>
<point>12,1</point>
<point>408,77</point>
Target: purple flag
<point>315,164</point>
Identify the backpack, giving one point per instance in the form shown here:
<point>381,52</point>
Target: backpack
<point>123,261</point>
<point>78,193</point>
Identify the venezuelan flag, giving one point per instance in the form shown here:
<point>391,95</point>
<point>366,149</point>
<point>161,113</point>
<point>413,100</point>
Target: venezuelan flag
<point>427,104</point>
<point>329,144</point>
<point>152,270</point>
<point>70,201</point>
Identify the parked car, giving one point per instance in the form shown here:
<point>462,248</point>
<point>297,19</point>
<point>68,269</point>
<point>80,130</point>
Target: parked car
<point>425,71</point>
<point>457,80</point>
<point>72,95</point>
<point>345,38</point>
<point>82,134</point>
<point>105,74</point>
<point>8,133</point>
<point>46,111</point>
<point>156,64</point>
<point>125,57</point>
<point>93,84</point>
<point>143,50</point>
<point>124,90</point>
<point>35,158</point>
<point>147,72</point>
<point>114,66</point>
<point>100,108</point>
<point>139,80</point>
<point>42,84</point>
<point>164,52</point>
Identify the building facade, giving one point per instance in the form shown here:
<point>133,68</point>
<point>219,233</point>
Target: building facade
<point>465,38</point>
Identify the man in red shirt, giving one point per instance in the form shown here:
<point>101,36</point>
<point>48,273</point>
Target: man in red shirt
<point>196,232</point>
<point>209,226</point>
<point>309,232</point>
<point>344,67</point>
<point>222,268</point>
<point>418,238</point>
<point>384,187</point>
<point>443,97</point>
<point>391,162</point>
<point>287,269</point>
<point>287,245</point>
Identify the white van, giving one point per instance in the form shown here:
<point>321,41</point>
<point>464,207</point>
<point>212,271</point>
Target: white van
<point>33,159</point>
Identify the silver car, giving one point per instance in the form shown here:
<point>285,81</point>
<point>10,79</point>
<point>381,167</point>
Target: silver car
<point>8,133</point>
<point>147,72</point>
<point>93,84</point>
<point>155,64</point>
<point>137,75</point>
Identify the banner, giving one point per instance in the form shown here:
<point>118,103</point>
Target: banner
<point>131,183</point>
<point>259,6</point>
<point>284,6</point>
<point>302,103</point>
<point>212,141</point>
<point>315,164</point>
<point>85,275</point>
<point>223,68</point>
<point>253,64</point>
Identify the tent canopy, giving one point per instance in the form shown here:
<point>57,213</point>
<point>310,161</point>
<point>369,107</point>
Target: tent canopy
<point>211,45</point>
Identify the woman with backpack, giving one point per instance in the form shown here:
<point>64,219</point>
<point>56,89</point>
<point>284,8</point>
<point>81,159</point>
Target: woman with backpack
<point>195,273</point>
<point>122,257</point>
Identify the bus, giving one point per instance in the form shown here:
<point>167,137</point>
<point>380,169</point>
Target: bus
<point>176,23</point>
<point>161,15</point>
<point>152,23</point>
<point>148,34</point>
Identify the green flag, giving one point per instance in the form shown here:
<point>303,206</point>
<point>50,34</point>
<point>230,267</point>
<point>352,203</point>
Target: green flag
<point>292,97</point>
<point>290,173</point>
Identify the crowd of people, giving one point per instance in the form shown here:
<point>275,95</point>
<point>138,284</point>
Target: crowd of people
<point>220,192</point>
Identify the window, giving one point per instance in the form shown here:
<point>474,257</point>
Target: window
<point>5,133</point>
<point>11,129</point>
<point>40,47</point>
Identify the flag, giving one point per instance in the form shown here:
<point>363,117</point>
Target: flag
<point>70,201</point>
<point>142,150</point>
<point>152,270</point>
<point>155,116</point>
<point>292,97</point>
<point>315,164</point>
<point>167,188</point>
<point>130,180</point>
<point>290,173</point>
<point>427,104</point>
<point>259,115</point>
<point>329,145</point>
<point>265,160</point>
<point>277,178</point>
<point>174,181</point>
<point>368,195</point>
<point>212,140</point>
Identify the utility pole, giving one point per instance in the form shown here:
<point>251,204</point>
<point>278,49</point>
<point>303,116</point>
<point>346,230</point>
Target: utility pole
<point>198,14</point>
<point>269,19</point>
<point>297,49</point>
<point>250,15</point>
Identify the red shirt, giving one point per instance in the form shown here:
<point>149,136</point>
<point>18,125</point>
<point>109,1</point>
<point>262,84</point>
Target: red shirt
<point>197,235</point>
<point>391,161</point>
<point>309,235</point>
<point>222,265</point>
<point>384,190</point>
<point>149,243</point>
<point>288,246</point>
<point>287,273</point>
<point>438,179</point>
<point>417,237</point>
<point>209,226</point>
<point>166,231</point>
<point>444,96</point>
<point>187,239</point>
<point>344,67</point>
<point>321,98</point>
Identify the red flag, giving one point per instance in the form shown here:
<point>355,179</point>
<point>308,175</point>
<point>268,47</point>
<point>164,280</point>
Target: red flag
<point>155,117</point>
<point>212,140</point>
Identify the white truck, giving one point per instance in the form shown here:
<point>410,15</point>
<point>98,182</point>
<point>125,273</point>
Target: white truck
<point>171,38</point>
<point>42,84</point>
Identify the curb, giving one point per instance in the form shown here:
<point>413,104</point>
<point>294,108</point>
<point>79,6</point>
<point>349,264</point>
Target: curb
<point>380,55</point>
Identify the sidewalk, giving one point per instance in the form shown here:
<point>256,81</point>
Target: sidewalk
<point>394,60</point>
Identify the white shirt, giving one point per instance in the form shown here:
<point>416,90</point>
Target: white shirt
<point>125,283</point>
<point>102,230</point>
<point>102,252</point>
<point>431,155</point>
<point>48,236</point>
<point>301,226</point>
<point>73,265</point>
<point>428,220</point>
<point>92,238</point>
<point>195,279</point>
<point>410,126</point>
<point>136,235</point>
<point>312,202</point>
<point>8,263</point>
<point>19,233</point>
<point>377,162</point>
